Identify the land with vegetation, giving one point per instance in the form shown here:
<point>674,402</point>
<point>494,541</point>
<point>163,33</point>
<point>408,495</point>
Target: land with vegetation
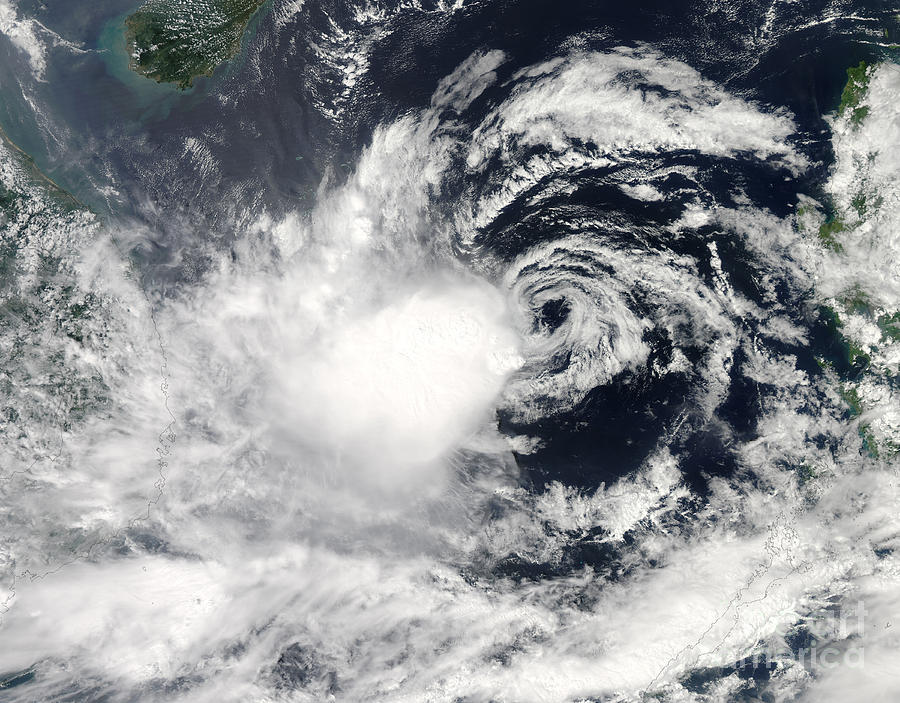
<point>176,41</point>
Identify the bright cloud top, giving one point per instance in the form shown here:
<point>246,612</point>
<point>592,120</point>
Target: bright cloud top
<point>328,377</point>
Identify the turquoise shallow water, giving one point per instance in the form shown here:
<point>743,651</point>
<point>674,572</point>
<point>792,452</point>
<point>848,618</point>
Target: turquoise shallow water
<point>155,99</point>
<point>90,121</point>
<point>88,103</point>
<point>667,357</point>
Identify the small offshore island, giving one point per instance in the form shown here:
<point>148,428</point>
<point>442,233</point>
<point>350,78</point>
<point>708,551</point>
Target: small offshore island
<point>175,41</point>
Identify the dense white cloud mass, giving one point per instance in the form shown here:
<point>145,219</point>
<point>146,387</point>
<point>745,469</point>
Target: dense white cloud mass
<point>589,97</point>
<point>315,425</point>
<point>23,34</point>
<point>30,37</point>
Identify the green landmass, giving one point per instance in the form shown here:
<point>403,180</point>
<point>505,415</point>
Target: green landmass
<point>889,326</point>
<point>827,233</point>
<point>805,474</point>
<point>9,198</point>
<point>175,41</point>
<point>857,301</point>
<point>851,397</point>
<point>869,441</point>
<point>854,90</point>
<point>851,360</point>
<point>43,308</point>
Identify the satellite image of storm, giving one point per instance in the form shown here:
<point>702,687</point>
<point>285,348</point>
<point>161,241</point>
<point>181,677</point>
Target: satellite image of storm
<point>450,351</point>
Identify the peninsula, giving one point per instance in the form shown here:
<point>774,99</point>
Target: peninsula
<point>175,41</point>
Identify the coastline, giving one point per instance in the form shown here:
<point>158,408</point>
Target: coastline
<point>53,187</point>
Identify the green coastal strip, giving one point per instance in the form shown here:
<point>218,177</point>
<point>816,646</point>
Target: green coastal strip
<point>175,41</point>
<point>53,189</point>
<point>854,90</point>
